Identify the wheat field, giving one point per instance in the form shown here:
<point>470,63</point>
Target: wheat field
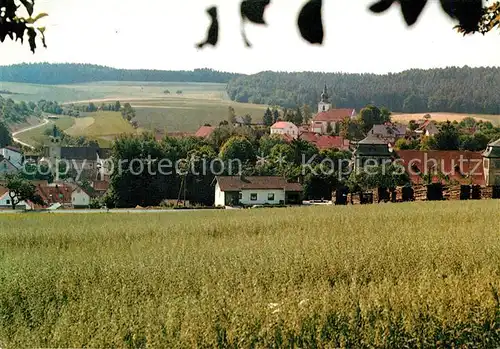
<point>378,276</point>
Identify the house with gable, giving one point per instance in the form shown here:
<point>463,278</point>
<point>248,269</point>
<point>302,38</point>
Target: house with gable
<point>285,128</point>
<point>80,198</point>
<point>7,167</point>
<point>6,201</point>
<point>256,190</point>
<point>13,155</point>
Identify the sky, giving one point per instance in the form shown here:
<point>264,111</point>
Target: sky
<point>161,34</point>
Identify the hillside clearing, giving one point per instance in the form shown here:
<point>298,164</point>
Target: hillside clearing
<point>414,274</point>
<point>440,117</point>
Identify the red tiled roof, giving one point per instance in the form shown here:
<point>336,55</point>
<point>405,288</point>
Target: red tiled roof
<point>204,131</point>
<point>461,166</point>
<point>324,141</point>
<point>334,115</point>
<point>329,142</point>
<point>57,194</point>
<point>236,183</point>
<point>3,190</point>
<point>282,124</point>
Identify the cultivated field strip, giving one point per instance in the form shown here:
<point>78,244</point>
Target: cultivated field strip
<point>386,276</point>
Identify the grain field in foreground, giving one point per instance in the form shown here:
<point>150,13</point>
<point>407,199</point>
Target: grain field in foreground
<point>405,275</point>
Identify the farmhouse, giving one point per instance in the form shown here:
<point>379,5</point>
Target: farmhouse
<point>258,190</point>
<point>285,128</point>
<point>80,198</point>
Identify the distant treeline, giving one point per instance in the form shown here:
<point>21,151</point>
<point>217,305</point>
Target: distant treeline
<point>463,90</point>
<point>51,74</point>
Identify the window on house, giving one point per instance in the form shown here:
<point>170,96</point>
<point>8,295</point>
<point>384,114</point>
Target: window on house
<point>270,197</point>
<point>8,202</point>
<point>253,197</point>
<point>240,195</point>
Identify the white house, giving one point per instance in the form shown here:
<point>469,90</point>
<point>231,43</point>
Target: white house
<point>285,128</point>
<point>14,155</point>
<point>6,201</point>
<point>257,190</point>
<point>80,198</point>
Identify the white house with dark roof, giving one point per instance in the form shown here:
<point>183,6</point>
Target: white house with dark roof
<point>13,155</point>
<point>256,190</point>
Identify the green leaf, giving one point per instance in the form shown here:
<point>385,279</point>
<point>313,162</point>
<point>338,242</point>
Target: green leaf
<point>42,33</point>
<point>33,20</point>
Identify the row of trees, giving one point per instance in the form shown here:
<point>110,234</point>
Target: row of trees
<point>47,73</point>
<point>466,90</point>
<point>16,112</point>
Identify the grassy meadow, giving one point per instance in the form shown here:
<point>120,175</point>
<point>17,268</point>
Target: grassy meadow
<point>198,104</point>
<point>37,136</point>
<point>393,276</point>
<point>101,126</point>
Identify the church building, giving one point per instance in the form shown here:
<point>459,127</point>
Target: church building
<point>328,119</point>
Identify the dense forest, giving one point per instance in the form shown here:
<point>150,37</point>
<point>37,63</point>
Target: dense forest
<point>466,90</point>
<point>45,73</point>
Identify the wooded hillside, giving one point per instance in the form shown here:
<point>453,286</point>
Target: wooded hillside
<point>464,90</point>
<point>45,73</point>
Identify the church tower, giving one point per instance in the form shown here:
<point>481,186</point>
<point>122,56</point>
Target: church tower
<point>55,144</point>
<point>324,104</point>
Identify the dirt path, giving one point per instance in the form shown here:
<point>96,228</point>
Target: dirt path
<point>15,139</point>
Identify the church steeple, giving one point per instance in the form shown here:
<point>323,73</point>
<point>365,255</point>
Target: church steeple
<point>324,95</point>
<point>324,104</point>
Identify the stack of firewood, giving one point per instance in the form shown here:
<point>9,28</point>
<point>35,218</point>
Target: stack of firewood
<point>420,192</point>
<point>486,192</point>
<point>452,192</point>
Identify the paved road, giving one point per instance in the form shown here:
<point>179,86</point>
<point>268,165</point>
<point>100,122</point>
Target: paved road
<point>84,211</point>
<point>45,122</point>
